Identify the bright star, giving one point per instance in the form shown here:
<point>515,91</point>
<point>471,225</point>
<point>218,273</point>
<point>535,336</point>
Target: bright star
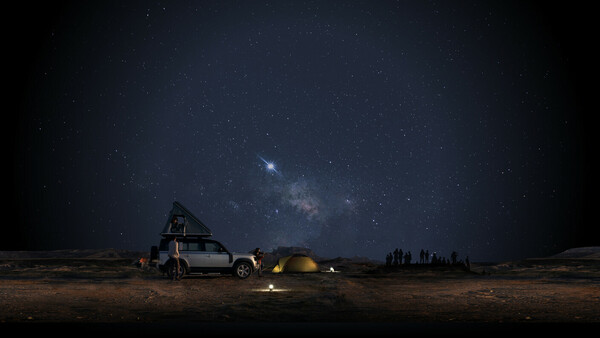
<point>269,165</point>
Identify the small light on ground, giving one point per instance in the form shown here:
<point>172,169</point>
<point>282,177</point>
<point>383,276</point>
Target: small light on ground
<point>270,288</point>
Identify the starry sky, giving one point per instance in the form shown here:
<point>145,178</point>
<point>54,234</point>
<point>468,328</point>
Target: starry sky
<point>349,127</point>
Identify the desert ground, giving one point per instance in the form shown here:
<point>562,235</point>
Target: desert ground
<point>109,291</point>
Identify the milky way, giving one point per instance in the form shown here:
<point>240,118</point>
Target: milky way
<point>297,210</point>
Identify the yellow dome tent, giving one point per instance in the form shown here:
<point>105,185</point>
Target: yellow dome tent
<point>296,263</point>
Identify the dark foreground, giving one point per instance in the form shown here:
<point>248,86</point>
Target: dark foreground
<point>114,296</point>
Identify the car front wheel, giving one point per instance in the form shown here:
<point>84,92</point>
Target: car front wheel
<point>242,270</point>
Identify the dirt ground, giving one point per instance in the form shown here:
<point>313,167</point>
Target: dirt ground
<point>117,296</point>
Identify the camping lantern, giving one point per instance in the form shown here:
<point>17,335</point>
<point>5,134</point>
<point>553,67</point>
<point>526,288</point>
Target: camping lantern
<point>270,287</point>
<point>331,269</point>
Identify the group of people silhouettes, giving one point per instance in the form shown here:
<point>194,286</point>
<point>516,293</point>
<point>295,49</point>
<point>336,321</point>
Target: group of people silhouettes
<point>397,257</point>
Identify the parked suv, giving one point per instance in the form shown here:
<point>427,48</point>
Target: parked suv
<point>201,255</point>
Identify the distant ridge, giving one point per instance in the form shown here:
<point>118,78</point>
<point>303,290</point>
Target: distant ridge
<point>73,253</point>
<point>589,252</point>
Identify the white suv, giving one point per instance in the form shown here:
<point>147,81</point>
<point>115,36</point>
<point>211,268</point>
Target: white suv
<point>201,255</point>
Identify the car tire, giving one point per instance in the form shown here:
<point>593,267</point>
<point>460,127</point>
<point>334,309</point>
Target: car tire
<point>242,270</point>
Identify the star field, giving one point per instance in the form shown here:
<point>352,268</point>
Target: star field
<point>352,128</point>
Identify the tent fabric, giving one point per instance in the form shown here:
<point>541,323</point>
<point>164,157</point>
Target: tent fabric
<point>191,225</point>
<point>280,264</point>
<point>296,263</point>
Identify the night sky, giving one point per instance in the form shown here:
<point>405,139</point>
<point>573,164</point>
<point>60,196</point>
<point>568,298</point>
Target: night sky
<point>349,127</point>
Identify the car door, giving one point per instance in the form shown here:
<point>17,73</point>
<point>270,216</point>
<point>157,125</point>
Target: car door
<point>196,256</point>
<point>218,256</point>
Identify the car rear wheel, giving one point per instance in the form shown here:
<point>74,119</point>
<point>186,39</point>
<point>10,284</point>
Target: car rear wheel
<point>172,266</point>
<point>242,270</point>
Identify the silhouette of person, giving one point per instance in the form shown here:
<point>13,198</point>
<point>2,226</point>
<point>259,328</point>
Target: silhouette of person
<point>388,259</point>
<point>427,256</point>
<point>407,257</point>
<point>422,257</point>
<point>453,256</point>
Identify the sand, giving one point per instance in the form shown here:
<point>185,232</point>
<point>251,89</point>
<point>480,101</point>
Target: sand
<point>114,294</point>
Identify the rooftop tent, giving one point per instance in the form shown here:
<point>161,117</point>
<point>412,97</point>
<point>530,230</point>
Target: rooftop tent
<point>296,263</point>
<point>188,224</point>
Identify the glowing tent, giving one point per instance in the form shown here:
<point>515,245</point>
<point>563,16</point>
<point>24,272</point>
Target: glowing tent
<point>296,263</point>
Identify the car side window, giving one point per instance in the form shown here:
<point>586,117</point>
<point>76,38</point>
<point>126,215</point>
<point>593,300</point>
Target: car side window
<point>212,247</point>
<point>194,246</point>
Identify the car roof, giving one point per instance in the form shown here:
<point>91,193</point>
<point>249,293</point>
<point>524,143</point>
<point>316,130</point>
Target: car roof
<point>189,239</point>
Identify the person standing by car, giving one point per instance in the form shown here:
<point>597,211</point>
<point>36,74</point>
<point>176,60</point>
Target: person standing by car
<point>174,255</point>
<point>259,256</point>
